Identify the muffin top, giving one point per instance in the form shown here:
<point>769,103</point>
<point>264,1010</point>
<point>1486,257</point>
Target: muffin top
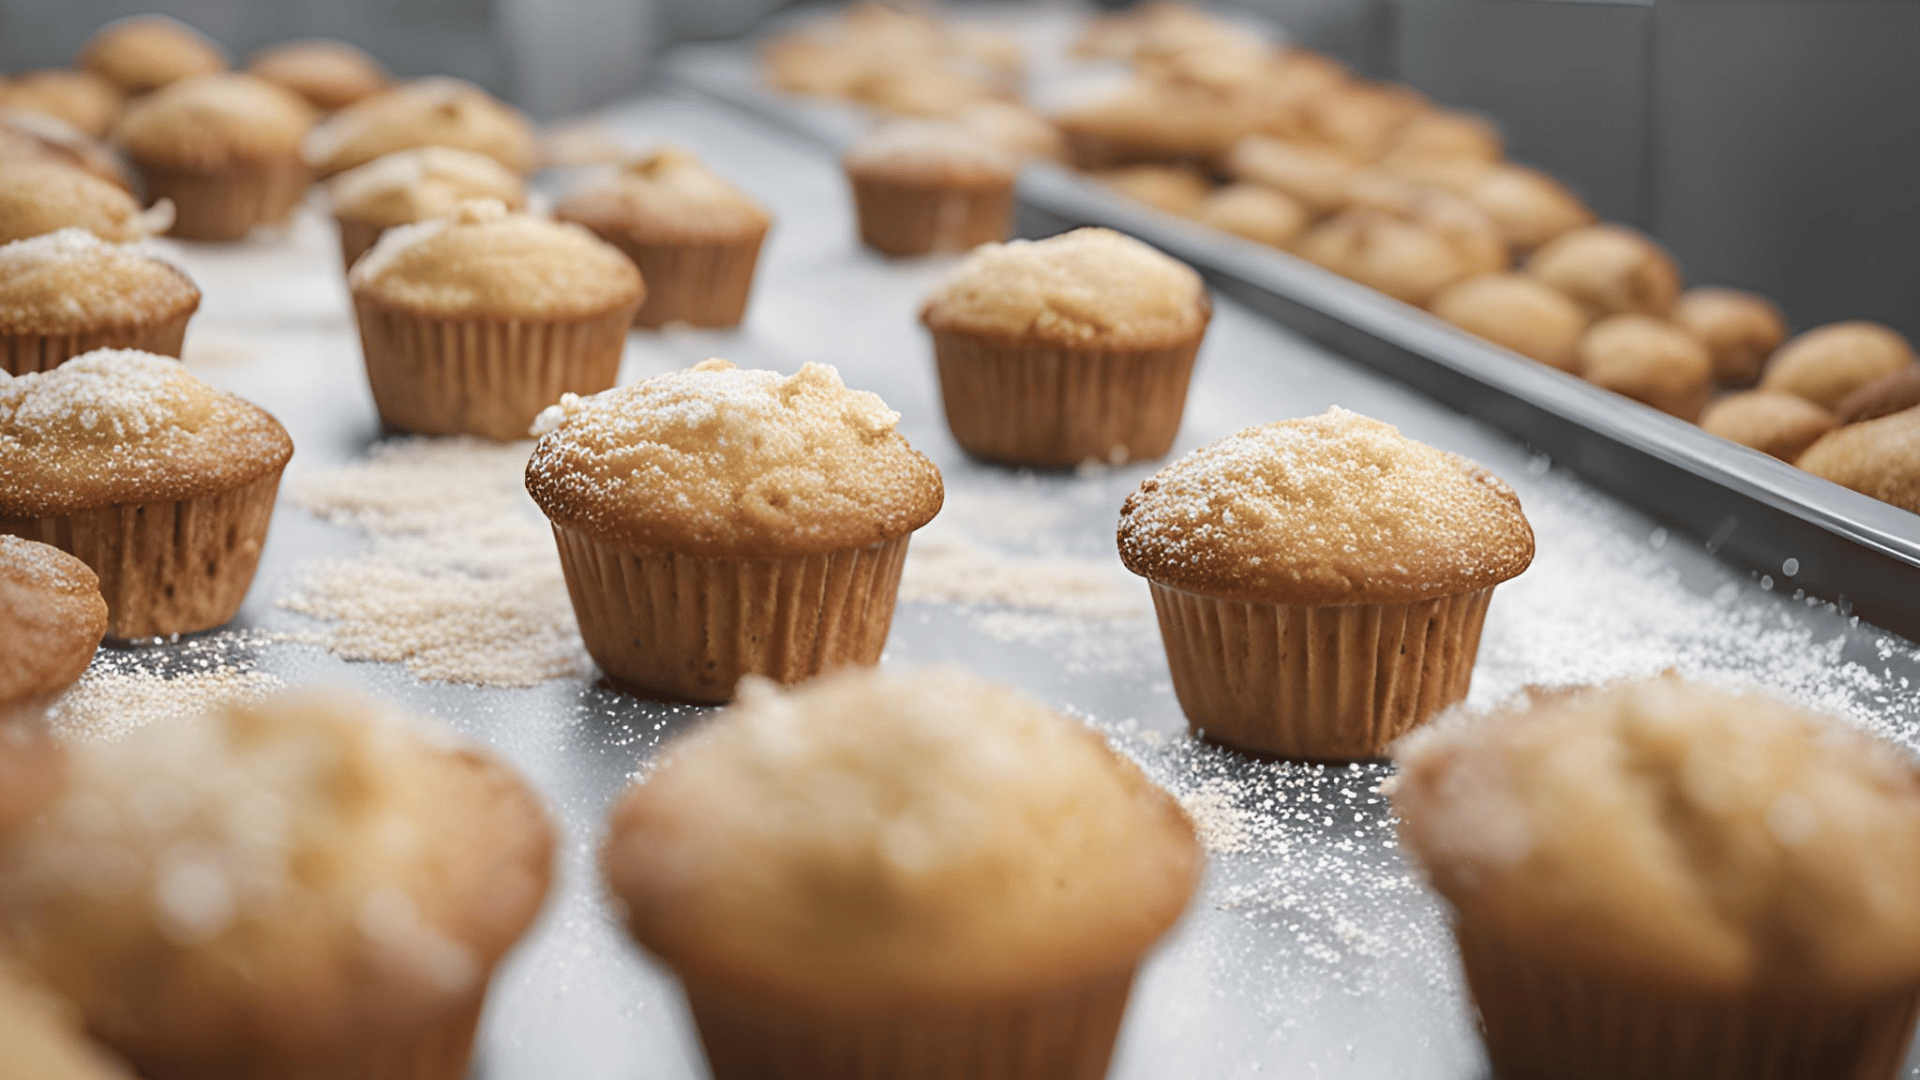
<point>1014,128</point>
<point>1829,362</point>
<point>1262,214</point>
<point>427,181</point>
<point>1627,349</point>
<point>26,134</point>
<point>123,427</point>
<point>484,261</point>
<point>667,195</point>
<point>1175,189</point>
<point>72,281</point>
<point>1879,458</point>
<point>1609,270</point>
<point>436,111</point>
<point>1330,509</point>
<point>1408,260</point>
<point>210,122</point>
<point>329,74</point>
<point>295,873</point>
<point>717,460</point>
<point>1529,207</point>
<point>38,197</point>
<point>1315,175</point>
<point>147,52</point>
<point>44,1042</point>
<point>931,152</point>
<point>1519,312</point>
<point>1670,832</point>
<point>883,832</point>
<point>51,615</point>
<point>1087,288</point>
<point>81,98</point>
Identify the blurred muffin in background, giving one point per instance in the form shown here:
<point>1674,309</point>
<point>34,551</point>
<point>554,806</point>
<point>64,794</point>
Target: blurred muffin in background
<point>1014,128</point>
<point>1408,260</point>
<point>26,135</point>
<point>143,53</point>
<point>1829,362</point>
<point>330,74</point>
<point>1318,178</point>
<point>1146,123</point>
<point>1879,458</point>
<point>1444,135</point>
<point>1175,189</point>
<point>413,185</point>
<point>1360,121</point>
<point>437,111</point>
<point>1262,214</point>
<point>224,148</point>
<point>1649,360</point>
<point>1739,329</point>
<point>1609,270</point>
<point>66,293</point>
<point>1894,392</point>
<point>922,186</point>
<point>1529,207</point>
<point>1770,421</point>
<point>87,101</point>
<point>39,197</point>
<point>52,618</point>
<point>1517,312</point>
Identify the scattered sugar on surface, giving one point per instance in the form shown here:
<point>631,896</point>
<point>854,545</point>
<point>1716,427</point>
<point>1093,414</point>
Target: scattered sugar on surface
<point>126,690</point>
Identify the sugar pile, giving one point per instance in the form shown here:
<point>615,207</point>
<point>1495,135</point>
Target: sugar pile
<point>124,691</point>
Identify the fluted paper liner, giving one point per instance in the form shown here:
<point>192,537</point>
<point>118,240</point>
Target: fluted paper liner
<point>440,1049</point>
<point>690,626</point>
<point>702,283</point>
<point>1334,683</point>
<point>1544,1021</point>
<point>356,237</point>
<point>918,219</point>
<point>226,205</point>
<point>22,354</point>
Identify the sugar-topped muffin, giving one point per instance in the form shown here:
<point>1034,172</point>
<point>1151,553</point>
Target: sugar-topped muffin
<point>68,292</point>
<point>159,482</point>
<point>917,870</point>
<point>1829,362</point>
<point>44,1040</point>
<point>413,185</point>
<point>1517,312</point>
<point>1739,329</point>
<point>436,111</point>
<point>698,512</point>
<point>309,886</point>
<point>923,186</point>
<point>1609,270</point>
<point>329,74</point>
<point>39,197</point>
<point>1730,878</point>
<point>83,99</point>
<point>224,148</point>
<point>1321,582</point>
<point>52,619</point>
<point>1649,360</point>
<point>1770,421</point>
<point>1879,458</point>
<point>146,52</point>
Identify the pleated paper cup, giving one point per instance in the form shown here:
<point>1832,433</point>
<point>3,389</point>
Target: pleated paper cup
<point>702,283</point>
<point>440,1049</point>
<point>904,219</point>
<point>23,354</point>
<point>1317,683</point>
<point>356,237</point>
<point>229,203</point>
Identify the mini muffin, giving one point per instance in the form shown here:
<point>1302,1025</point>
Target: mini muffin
<point>1669,881</point>
<point>1516,312</point>
<point>160,483</point>
<point>29,135</point>
<point>1529,207</point>
<point>1360,121</point>
<point>1262,214</point>
<point>224,148</point>
<point>52,618</point>
<point>1443,133</point>
<point>1739,329</point>
<point>1884,396</point>
<point>43,1039</point>
<point>921,187</point>
<point>146,52</point>
<point>424,112</point>
<point>81,98</point>
<point>1318,178</point>
<point>1408,260</point>
<point>715,523</point>
<point>1070,349</point>
<point>475,321</point>
<point>39,197</point>
<point>1649,360</point>
<point>311,887</point>
<point>1770,421</point>
<point>413,185</point>
<point>900,874</point>
<point>1879,458</point>
<point>1144,123</point>
<point>1172,189</point>
<point>69,292</point>
<point>1609,270</point>
<point>695,237</point>
<point>1013,128</point>
<point>330,74</point>
<point>1321,582</point>
<point>1829,362</point>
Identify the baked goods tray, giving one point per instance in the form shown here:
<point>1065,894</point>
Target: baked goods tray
<point>1311,951</point>
<point>1784,525</point>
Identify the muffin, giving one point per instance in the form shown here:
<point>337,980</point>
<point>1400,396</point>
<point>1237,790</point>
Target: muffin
<point>424,112</point>
<point>1649,360</point>
<point>1410,261</point>
<point>43,1039</point>
<point>224,148</point>
<point>1318,178</point>
<point>146,52</point>
<point>1884,396</point>
<point>921,187</point>
<point>1529,207</point>
<point>715,523</point>
<point>1770,421</point>
<point>306,888</point>
<point>69,292</point>
<point>473,322</point>
<point>87,101</point>
<point>160,483</point>
<point>1145,123</point>
<point>1014,128</point>
<point>695,237</point>
<point>1443,133</point>
<point>1739,329</point>
<point>52,618</point>
<point>1171,189</point>
<point>900,874</point>
<point>26,135</point>
<point>1666,880</point>
<point>1878,458</point>
<point>39,197</point>
<point>1516,312</point>
<point>330,74</point>
<point>1360,121</point>
<point>1070,349</point>
<point>1829,362</point>
<point>413,185</point>
<point>1261,214</point>
<point>1321,582</point>
<point>1609,270</point>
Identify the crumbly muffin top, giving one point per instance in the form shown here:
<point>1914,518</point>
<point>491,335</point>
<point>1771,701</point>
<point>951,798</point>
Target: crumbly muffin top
<point>1676,833</point>
<point>51,616</point>
<point>896,831</point>
<point>482,260</point>
<point>81,98</point>
<point>38,197</point>
<point>436,111</point>
<point>1878,458</point>
<point>71,280</point>
<point>717,460</point>
<point>1609,270</point>
<point>295,872</point>
<point>427,181</point>
<point>1330,509</point>
<point>931,152</point>
<point>666,195</point>
<point>147,52</point>
<point>329,74</point>
<point>122,427</point>
<point>1088,287</point>
<point>1829,362</point>
<point>210,122</point>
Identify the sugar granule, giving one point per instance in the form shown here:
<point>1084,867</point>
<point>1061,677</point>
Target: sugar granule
<point>125,691</point>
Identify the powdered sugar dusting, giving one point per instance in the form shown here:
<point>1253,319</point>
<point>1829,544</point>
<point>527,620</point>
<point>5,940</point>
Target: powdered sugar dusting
<point>71,279</point>
<point>125,691</point>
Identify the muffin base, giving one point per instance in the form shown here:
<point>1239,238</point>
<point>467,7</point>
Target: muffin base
<point>440,1050</point>
<point>1334,683</point>
<point>1542,1021</point>
<point>690,626</point>
<point>1055,406</point>
<point>356,237</point>
<point>703,283</point>
<point>21,354</point>
<point>917,219</point>
<point>227,204</point>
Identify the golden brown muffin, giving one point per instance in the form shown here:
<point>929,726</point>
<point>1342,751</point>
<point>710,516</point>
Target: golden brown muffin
<point>1360,121</point>
<point>921,187</point>
<point>29,135</point>
<point>1649,360</point>
<point>1516,312</point>
<point>330,74</point>
<point>1739,329</point>
<point>413,185</point>
<point>1445,134</point>
<point>1724,876</point>
<point>1884,396</point>
<point>43,1040</point>
<point>146,52</point>
<point>326,893</point>
<point>39,197</point>
<point>1529,207</point>
<point>928,92</point>
<point>1318,178</point>
<point>699,514</point>
<point>1172,189</point>
<point>1878,458</point>
<point>1070,349</point>
<point>916,871</point>
<point>1609,270</point>
<point>69,292</point>
<point>1014,128</point>
<point>695,237</point>
<point>1410,261</point>
<point>1770,421</point>
<point>1829,362</point>
<point>424,112</point>
<point>1321,582</point>
<point>1145,123</point>
<point>224,148</point>
<point>158,481</point>
<point>84,100</point>
<point>1262,214</point>
<point>52,619</point>
<point>474,321</point>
